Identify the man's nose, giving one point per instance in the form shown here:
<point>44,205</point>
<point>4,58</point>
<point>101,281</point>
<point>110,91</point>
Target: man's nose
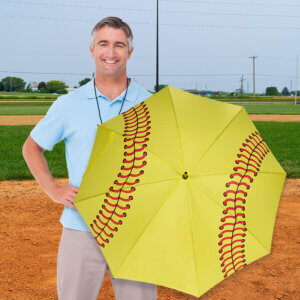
<point>111,51</point>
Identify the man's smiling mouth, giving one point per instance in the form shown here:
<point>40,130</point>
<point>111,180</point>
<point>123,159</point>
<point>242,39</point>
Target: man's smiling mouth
<point>110,61</point>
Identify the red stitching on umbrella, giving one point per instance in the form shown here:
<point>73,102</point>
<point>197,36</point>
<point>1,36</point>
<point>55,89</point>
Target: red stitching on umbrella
<point>136,158</point>
<point>103,223</point>
<point>233,200</point>
<point>136,137</point>
<point>132,189</point>
<point>231,237</point>
<point>136,167</point>
<point>143,114</point>
<point>118,198</point>
<point>116,182</point>
<point>133,134</point>
<point>140,127</point>
<point>137,130</point>
<point>135,123</point>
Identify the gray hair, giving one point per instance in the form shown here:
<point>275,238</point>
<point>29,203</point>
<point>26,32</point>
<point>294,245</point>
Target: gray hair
<point>113,22</point>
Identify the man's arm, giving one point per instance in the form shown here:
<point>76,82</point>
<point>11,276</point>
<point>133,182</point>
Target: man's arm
<point>37,164</point>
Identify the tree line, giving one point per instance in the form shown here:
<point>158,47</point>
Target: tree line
<point>15,84</point>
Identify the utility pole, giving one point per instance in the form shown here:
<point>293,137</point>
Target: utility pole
<point>157,60</point>
<point>242,84</point>
<point>253,57</point>
<point>296,80</point>
<point>248,86</point>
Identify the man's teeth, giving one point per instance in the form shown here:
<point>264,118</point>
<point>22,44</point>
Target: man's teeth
<point>111,61</point>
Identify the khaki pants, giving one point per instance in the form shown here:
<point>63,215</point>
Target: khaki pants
<point>81,269</point>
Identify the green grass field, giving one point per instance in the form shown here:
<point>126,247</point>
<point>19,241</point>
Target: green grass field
<point>41,108</point>
<point>13,165</point>
<point>282,138</point>
<point>23,95</point>
<point>284,109</point>
<point>10,109</point>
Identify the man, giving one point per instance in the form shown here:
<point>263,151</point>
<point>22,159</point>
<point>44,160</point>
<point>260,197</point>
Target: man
<point>74,118</point>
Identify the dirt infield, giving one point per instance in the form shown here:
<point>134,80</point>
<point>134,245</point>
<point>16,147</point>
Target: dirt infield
<point>276,118</point>
<point>30,233</point>
<point>33,119</point>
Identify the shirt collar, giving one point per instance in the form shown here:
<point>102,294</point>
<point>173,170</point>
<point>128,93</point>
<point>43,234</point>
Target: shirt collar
<point>131,96</point>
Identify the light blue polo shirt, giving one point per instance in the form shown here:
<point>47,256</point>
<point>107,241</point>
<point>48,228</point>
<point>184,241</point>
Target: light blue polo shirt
<point>74,118</point>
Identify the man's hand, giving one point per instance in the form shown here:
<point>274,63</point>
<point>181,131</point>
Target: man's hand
<point>63,194</point>
<point>34,157</point>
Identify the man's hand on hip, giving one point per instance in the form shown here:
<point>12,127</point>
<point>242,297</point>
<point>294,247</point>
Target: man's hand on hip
<point>64,194</point>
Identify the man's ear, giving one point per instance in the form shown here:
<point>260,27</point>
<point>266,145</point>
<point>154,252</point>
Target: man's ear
<point>129,54</point>
<point>92,51</point>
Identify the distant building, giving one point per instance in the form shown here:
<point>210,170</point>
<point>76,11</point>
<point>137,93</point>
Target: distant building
<point>33,86</point>
<point>70,89</point>
<point>204,93</point>
<point>239,91</point>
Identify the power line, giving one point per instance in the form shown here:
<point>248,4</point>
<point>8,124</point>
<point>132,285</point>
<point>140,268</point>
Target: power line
<point>71,5</point>
<point>43,53</point>
<point>232,3</point>
<point>228,14</point>
<point>164,24</point>
<point>233,27</point>
<point>149,75</point>
<point>60,19</point>
<point>146,10</point>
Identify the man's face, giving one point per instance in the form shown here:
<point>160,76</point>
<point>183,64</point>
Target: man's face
<point>111,52</point>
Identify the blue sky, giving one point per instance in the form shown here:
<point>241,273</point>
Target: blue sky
<point>209,39</point>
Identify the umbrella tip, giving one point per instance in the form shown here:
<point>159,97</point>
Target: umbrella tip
<point>185,175</point>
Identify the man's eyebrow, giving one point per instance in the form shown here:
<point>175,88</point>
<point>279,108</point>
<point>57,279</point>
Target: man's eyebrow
<point>102,41</point>
<point>116,43</point>
<point>120,43</point>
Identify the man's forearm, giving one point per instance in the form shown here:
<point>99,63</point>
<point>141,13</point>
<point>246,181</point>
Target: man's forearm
<point>38,166</point>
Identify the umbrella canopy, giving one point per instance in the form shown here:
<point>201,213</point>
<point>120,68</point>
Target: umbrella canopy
<point>181,191</point>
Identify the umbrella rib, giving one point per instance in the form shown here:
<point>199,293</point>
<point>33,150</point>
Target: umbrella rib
<point>210,197</point>
<point>210,174</point>
<point>137,240</point>
<point>98,155</point>
<point>217,137</point>
<point>167,163</point>
<point>137,185</point>
<point>281,173</point>
<point>229,172</point>
<point>179,139</point>
<point>195,257</point>
<point>206,193</point>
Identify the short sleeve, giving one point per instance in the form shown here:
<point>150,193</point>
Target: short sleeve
<point>143,94</point>
<point>50,130</point>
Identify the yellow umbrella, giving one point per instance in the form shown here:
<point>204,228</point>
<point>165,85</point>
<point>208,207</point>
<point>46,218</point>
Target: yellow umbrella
<point>181,191</point>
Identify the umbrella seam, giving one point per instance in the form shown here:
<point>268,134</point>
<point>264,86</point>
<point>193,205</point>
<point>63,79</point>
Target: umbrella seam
<point>194,248</point>
<point>150,151</point>
<point>141,184</point>
<point>177,127</point>
<point>215,140</point>
<point>146,227</point>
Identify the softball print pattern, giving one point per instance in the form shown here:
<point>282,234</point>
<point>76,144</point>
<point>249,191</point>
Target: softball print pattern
<point>120,195</point>
<point>233,228</point>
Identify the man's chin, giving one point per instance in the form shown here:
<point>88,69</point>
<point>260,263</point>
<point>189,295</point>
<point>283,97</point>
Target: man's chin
<point>112,75</point>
